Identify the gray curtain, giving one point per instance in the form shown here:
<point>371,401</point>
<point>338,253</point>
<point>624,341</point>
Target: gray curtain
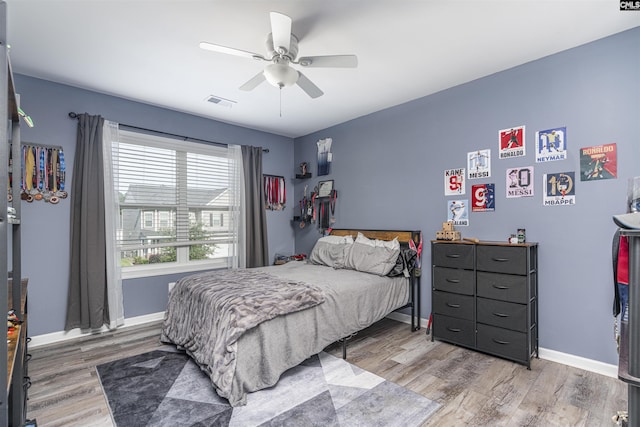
<point>87,306</point>
<point>256,218</point>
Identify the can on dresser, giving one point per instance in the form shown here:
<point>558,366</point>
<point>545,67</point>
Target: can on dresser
<point>522,235</point>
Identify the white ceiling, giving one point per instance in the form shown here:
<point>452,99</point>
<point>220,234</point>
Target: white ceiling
<point>148,50</point>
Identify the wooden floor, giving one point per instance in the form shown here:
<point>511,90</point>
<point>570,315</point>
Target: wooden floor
<point>474,389</point>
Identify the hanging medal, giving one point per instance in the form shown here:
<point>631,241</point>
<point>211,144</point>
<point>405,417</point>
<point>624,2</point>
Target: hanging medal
<point>55,166</point>
<point>61,193</point>
<point>29,171</point>
<point>23,165</point>
<point>332,205</point>
<point>40,173</point>
<point>10,182</point>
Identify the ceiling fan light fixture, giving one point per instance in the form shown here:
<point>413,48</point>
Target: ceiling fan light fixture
<point>280,75</point>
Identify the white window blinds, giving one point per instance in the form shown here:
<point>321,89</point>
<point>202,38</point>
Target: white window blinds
<point>169,190</point>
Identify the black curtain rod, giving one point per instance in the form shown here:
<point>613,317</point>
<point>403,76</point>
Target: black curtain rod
<point>73,115</point>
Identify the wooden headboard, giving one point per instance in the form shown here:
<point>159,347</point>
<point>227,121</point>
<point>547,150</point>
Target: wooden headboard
<point>403,236</point>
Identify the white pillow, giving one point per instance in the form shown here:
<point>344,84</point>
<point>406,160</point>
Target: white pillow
<point>331,251</point>
<point>391,244</point>
<point>336,239</point>
<point>373,256</point>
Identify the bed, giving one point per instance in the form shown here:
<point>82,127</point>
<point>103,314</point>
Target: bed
<point>246,327</point>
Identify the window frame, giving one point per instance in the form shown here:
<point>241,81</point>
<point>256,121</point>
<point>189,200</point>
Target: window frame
<point>182,263</point>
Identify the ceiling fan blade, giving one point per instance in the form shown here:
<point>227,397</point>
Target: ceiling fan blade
<point>337,61</point>
<point>307,85</point>
<point>281,31</point>
<point>253,82</point>
<point>230,51</point>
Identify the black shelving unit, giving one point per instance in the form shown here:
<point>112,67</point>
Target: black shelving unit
<point>13,293</point>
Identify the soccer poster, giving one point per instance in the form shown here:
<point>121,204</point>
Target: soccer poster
<point>479,164</point>
<point>598,162</point>
<point>520,182</point>
<point>483,198</point>
<point>511,142</point>
<point>454,182</point>
<point>458,212</point>
<point>559,189</point>
<point>551,145</point>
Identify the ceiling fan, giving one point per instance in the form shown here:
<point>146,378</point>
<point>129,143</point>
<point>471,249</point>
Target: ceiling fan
<point>282,50</point>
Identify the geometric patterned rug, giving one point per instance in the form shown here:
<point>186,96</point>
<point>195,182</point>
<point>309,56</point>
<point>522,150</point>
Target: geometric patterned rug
<point>166,388</point>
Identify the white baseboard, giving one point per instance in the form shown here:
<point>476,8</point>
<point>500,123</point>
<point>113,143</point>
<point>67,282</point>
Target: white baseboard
<point>57,337</point>
<point>551,355</point>
<point>580,362</point>
<point>546,354</point>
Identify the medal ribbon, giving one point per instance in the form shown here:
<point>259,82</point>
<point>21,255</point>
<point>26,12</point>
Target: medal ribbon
<point>62,169</point>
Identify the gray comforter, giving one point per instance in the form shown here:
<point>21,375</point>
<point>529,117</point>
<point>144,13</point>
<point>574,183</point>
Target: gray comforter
<point>258,353</point>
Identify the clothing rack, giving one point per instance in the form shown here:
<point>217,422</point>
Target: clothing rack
<point>73,115</point>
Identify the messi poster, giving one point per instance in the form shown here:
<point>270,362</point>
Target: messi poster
<point>483,198</point>
<point>520,182</point>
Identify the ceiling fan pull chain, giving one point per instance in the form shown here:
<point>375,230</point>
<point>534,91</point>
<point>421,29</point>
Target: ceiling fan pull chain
<point>280,101</point>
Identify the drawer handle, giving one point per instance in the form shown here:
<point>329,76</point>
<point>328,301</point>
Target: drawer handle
<point>453,255</point>
<point>453,280</point>
<point>500,314</point>
<point>500,259</point>
<point>501,342</point>
<point>454,329</point>
<point>501,287</point>
<point>453,305</point>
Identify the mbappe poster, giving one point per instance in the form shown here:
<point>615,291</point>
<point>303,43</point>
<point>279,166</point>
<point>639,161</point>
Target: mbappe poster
<point>559,189</point>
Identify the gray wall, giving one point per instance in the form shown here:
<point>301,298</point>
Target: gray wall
<point>45,229</point>
<point>388,170</point>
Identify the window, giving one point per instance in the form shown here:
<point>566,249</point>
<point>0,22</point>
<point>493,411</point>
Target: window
<point>175,204</point>
<point>148,219</point>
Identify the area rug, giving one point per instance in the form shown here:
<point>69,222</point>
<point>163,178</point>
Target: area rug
<point>166,388</point>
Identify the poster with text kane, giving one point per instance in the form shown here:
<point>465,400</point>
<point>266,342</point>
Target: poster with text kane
<point>598,162</point>
<point>454,182</point>
<point>551,145</point>
<point>458,212</point>
<point>479,164</point>
<point>483,198</point>
<point>520,182</point>
<point>559,189</point>
<point>511,142</point>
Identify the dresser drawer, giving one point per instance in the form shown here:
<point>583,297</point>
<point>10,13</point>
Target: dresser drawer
<point>454,305</point>
<point>507,315</point>
<point>458,331</point>
<point>453,255</point>
<point>502,342</point>
<point>454,280</point>
<point>502,286</point>
<point>502,259</point>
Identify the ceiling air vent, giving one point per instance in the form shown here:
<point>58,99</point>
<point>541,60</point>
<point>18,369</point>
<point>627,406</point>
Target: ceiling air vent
<point>219,101</point>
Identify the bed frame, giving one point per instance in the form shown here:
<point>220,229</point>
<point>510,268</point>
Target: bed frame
<point>404,237</point>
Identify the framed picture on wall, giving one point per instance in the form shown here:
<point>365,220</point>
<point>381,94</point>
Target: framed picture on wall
<point>325,188</point>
